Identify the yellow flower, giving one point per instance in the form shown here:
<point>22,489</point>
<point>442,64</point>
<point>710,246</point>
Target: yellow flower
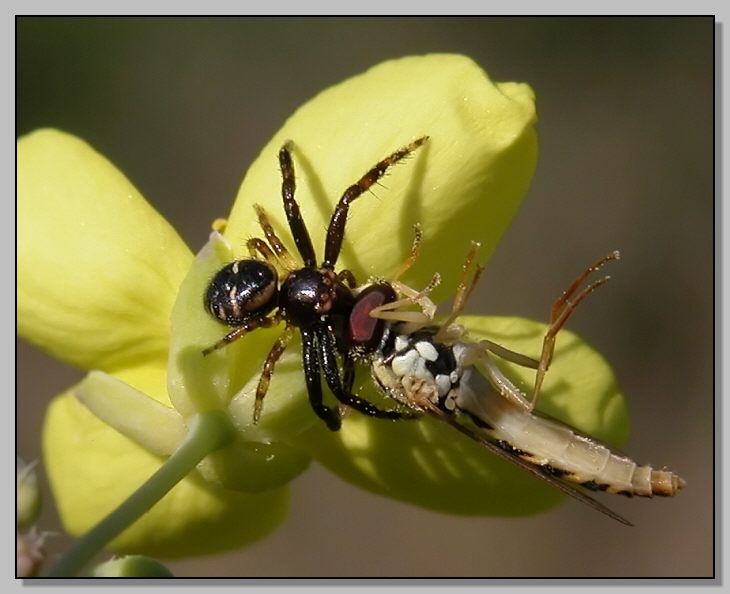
<point>105,284</point>
<point>98,271</point>
<point>465,184</point>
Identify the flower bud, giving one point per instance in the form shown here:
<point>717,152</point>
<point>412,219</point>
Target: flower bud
<point>132,566</point>
<point>30,553</point>
<point>28,495</point>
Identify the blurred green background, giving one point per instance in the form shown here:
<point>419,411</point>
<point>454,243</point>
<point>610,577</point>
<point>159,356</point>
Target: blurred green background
<point>625,105</point>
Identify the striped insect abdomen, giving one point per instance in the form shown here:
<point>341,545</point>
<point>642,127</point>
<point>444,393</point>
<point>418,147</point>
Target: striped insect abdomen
<point>563,451</point>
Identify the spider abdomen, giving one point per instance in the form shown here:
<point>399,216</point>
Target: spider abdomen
<point>242,290</point>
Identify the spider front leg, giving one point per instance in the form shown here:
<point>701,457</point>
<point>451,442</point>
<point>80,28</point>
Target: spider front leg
<point>328,356</point>
<point>310,363</point>
<point>348,372</point>
<point>336,228</point>
<point>291,208</point>
<point>347,277</point>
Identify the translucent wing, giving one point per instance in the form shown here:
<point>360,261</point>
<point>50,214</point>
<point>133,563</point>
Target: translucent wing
<point>533,469</point>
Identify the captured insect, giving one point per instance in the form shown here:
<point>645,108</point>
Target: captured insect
<point>270,287</point>
<point>435,369</point>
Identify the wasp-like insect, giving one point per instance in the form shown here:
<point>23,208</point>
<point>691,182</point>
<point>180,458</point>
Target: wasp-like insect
<point>432,369</point>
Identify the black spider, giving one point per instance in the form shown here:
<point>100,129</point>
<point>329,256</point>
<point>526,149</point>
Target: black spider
<point>248,294</point>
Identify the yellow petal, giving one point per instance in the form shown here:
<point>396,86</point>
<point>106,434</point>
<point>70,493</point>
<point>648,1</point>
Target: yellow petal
<point>98,267</point>
<point>465,183</point>
<point>199,383</point>
<point>428,463</point>
<point>92,468</point>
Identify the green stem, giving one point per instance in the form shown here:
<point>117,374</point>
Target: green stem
<point>208,432</point>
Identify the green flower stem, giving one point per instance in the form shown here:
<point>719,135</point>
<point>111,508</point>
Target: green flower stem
<point>208,432</point>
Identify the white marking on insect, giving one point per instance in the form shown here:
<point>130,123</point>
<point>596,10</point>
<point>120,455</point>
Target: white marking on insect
<point>459,349</point>
<point>401,343</point>
<point>405,364</point>
<point>450,403</point>
<point>427,350</point>
<point>443,382</point>
<point>420,371</point>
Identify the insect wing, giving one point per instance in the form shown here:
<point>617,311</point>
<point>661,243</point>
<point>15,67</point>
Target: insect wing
<point>533,469</point>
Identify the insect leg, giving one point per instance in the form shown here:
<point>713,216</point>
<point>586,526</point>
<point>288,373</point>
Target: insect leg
<point>561,310</point>
<point>508,354</point>
<point>393,310</point>
<point>413,256</point>
<point>476,352</point>
<point>416,319</point>
<point>336,229</point>
<point>463,290</point>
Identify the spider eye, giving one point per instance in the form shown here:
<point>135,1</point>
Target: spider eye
<point>242,290</point>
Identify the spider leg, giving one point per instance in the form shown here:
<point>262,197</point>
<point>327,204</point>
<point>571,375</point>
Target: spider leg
<point>346,276</point>
<point>310,362</point>
<point>238,331</point>
<point>258,247</point>
<point>348,371</point>
<point>291,208</point>
<point>274,354</point>
<point>328,357</point>
<point>282,253</point>
<point>336,229</point>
